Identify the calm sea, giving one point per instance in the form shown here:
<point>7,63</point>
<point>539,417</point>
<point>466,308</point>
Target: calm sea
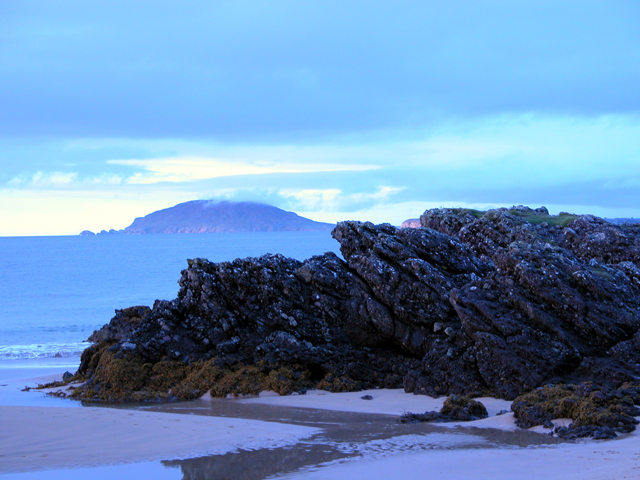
<point>54,291</point>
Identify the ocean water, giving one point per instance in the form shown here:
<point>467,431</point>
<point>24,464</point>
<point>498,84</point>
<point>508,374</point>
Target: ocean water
<point>55,291</point>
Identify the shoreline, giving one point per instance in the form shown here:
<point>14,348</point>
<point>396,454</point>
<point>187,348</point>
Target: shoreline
<point>46,437</point>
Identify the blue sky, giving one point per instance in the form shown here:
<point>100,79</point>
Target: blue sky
<point>335,110</point>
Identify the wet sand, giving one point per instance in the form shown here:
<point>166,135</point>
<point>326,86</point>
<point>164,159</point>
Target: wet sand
<point>318,435</point>
<point>36,438</point>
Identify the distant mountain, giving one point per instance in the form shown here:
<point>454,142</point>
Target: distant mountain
<point>411,223</point>
<point>205,216</point>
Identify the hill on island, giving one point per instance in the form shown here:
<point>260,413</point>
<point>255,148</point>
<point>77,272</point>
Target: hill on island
<point>206,216</point>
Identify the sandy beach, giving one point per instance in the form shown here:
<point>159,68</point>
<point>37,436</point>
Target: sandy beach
<point>589,461</point>
<point>36,438</point>
<point>50,438</point>
<point>585,460</point>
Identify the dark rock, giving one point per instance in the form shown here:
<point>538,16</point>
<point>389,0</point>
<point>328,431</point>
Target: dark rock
<point>456,408</point>
<point>574,433</point>
<point>463,408</point>
<point>67,376</point>
<point>428,417</point>
<point>473,303</point>
<point>121,325</point>
<point>366,397</point>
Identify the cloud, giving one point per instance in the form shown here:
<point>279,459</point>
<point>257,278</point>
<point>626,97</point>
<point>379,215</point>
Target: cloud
<point>186,169</point>
<point>299,71</point>
<point>333,199</point>
<point>312,199</point>
<point>44,179</point>
<point>591,163</point>
<point>106,179</point>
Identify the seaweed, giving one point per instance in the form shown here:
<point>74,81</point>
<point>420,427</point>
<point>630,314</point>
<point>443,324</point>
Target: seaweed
<point>587,404</point>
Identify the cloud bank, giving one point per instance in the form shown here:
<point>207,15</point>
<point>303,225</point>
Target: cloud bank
<point>365,110</point>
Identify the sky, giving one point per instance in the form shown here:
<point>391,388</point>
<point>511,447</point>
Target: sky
<point>363,110</point>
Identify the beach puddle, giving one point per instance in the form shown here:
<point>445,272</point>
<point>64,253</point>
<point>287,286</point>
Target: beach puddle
<point>345,436</point>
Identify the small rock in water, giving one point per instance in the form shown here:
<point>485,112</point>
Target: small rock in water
<point>366,397</point>
<point>66,376</point>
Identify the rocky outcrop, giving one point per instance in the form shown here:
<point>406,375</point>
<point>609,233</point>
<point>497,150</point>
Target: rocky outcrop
<point>479,303</point>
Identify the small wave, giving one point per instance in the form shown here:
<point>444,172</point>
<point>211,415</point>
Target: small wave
<point>42,350</point>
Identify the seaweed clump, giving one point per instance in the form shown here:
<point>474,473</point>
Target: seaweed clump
<point>116,376</point>
<point>456,408</point>
<point>597,411</point>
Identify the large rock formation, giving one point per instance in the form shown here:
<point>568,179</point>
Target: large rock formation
<point>475,303</point>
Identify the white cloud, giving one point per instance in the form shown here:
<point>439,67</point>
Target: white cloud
<point>312,199</point>
<point>383,193</point>
<point>333,199</point>
<point>106,179</point>
<point>185,169</point>
<point>44,179</point>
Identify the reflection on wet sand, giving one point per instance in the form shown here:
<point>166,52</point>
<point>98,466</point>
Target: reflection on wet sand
<point>344,435</point>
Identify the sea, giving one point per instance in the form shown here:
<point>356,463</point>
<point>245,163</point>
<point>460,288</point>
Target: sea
<point>55,291</point>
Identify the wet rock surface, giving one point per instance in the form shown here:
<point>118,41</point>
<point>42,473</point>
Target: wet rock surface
<point>473,303</point>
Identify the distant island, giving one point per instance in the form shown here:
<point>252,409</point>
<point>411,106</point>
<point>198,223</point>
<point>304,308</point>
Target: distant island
<point>206,216</point>
<point>411,223</point>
